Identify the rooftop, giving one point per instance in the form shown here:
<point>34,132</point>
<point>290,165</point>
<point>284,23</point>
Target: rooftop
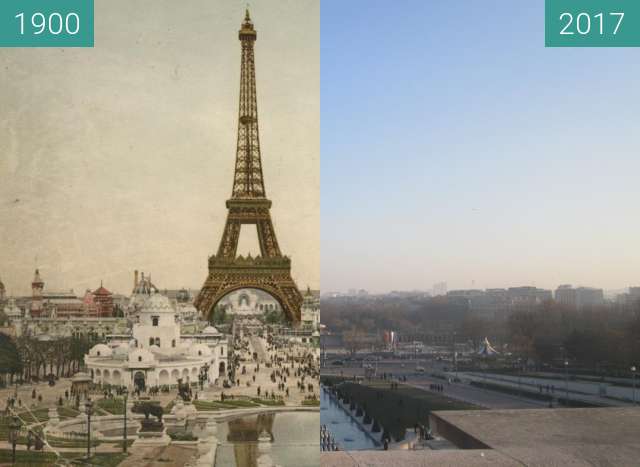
<point>529,437</point>
<point>454,458</point>
<point>585,436</point>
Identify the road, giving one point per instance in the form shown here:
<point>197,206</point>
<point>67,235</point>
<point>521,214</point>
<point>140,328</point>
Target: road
<point>605,394</point>
<point>595,393</point>
<point>463,392</point>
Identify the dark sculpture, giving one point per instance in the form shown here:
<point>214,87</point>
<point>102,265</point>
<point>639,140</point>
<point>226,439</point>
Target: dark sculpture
<point>150,408</point>
<point>184,391</point>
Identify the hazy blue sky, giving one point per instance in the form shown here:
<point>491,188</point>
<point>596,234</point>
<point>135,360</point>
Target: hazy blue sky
<point>456,148</point>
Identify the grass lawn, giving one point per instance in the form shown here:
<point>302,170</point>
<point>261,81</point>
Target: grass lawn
<point>28,458</point>
<point>111,459</point>
<point>39,415</point>
<point>228,404</point>
<point>311,402</point>
<point>183,437</point>
<point>70,443</point>
<point>267,401</point>
<point>114,406</point>
<point>67,412</point>
<point>99,460</point>
<point>46,458</point>
<point>398,409</point>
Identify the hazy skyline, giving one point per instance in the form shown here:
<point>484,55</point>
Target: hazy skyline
<point>121,157</point>
<point>456,148</point>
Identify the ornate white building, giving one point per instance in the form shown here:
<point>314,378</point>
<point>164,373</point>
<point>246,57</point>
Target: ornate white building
<point>3,292</point>
<point>156,353</point>
<point>245,302</point>
<point>310,311</point>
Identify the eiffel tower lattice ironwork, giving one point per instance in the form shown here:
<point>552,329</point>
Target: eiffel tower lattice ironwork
<point>271,271</point>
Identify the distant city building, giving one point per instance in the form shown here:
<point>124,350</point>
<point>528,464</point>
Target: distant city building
<point>439,289</point>
<point>529,295</point>
<point>497,303</point>
<point>465,293</point>
<point>630,298</point>
<point>566,295</point>
<point>580,297</point>
<point>589,296</point>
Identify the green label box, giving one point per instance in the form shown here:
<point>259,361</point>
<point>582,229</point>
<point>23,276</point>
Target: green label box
<point>46,23</point>
<point>592,23</point>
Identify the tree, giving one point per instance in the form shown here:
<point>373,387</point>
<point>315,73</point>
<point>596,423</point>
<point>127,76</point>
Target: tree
<point>10,361</point>
<point>354,340</point>
<point>474,329</point>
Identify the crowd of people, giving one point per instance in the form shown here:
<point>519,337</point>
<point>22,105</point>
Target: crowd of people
<point>292,369</point>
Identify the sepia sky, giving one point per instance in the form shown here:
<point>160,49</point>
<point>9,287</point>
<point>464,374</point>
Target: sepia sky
<point>456,147</point>
<point>121,157</point>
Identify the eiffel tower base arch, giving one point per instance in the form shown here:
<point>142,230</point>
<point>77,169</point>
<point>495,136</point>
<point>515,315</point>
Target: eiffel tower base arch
<point>271,275</point>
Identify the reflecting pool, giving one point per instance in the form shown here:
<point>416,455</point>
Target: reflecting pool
<point>288,439</point>
<point>344,429</point>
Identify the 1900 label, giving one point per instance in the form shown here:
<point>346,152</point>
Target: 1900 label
<point>46,23</point>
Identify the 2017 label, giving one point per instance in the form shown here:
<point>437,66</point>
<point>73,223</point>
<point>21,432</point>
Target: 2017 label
<point>582,24</point>
<point>592,23</point>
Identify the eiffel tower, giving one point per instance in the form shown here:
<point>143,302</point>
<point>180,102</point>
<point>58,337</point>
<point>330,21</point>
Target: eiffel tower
<point>271,271</point>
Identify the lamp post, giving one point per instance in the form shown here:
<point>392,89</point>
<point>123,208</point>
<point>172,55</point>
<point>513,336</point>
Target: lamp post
<point>566,379</point>
<point>125,393</point>
<point>519,378</point>
<point>633,377</point>
<point>455,356</point>
<point>204,375</point>
<point>14,430</point>
<point>88,410</point>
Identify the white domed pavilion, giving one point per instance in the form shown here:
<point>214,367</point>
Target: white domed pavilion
<point>156,354</point>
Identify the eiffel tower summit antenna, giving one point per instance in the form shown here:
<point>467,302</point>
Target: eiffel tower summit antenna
<point>248,204</point>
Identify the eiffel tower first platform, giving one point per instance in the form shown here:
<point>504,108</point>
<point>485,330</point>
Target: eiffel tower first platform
<point>271,271</point>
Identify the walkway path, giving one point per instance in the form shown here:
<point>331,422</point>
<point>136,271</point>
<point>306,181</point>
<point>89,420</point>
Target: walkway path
<point>174,455</point>
<point>581,391</point>
<point>478,396</point>
<point>102,447</point>
<point>258,347</point>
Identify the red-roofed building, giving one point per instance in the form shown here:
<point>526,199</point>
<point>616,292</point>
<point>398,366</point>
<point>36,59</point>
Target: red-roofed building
<point>103,300</point>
